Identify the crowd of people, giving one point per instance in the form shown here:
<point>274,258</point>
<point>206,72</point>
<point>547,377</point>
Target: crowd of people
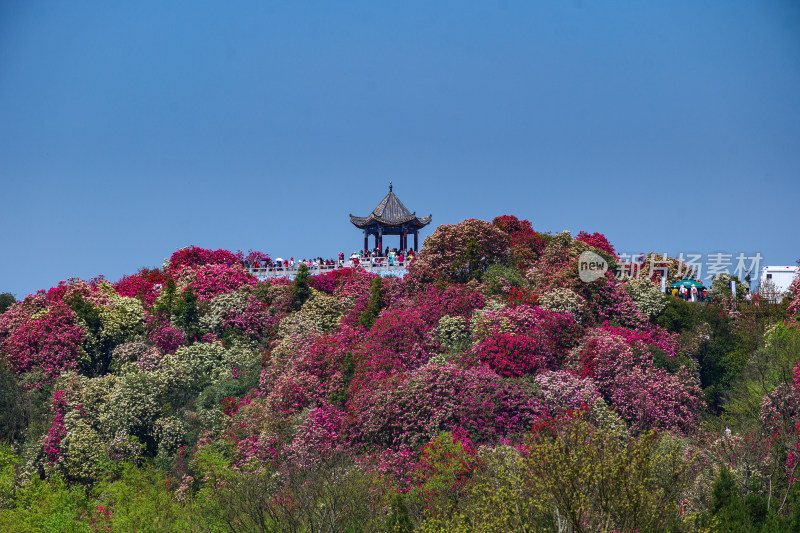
<point>376,257</point>
<point>692,294</point>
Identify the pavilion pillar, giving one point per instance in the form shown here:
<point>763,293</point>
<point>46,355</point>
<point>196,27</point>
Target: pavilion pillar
<point>366,242</point>
<point>404,240</point>
<point>380,241</point>
<point>416,234</point>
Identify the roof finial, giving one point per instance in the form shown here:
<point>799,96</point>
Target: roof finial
<point>390,186</point>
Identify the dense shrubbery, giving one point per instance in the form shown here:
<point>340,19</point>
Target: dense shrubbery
<point>488,390</point>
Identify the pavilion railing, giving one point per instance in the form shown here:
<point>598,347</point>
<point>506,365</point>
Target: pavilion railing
<point>377,265</point>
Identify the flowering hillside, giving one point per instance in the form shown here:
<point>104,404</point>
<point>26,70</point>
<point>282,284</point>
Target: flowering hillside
<point>490,389</point>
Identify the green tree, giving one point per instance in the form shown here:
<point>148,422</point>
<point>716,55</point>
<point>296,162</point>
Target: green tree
<point>300,291</point>
<point>367,318</point>
<point>6,300</point>
<point>187,315</point>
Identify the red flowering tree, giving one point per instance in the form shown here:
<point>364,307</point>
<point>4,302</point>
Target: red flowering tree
<point>526,244</point>
<point>196,256</point>
<point>597,240</point>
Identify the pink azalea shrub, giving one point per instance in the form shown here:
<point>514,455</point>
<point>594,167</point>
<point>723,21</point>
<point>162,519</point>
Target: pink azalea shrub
<point>193,256</point>
<point>563,392</point>
<point>320,435</point>
<point>454,300</point>
<point>163,334</point>
<point>554,333</point>
<point>394,344</point>
<point>208,281</point>
<point>643,395</point>
<point>328,282</point>
<point>462,251</point>
<point>36,334</point>
<point>511,355</point>
<point>57,431</point>
<point>144,285</point>
<point>526,244</point>
<point>412,408</point>
<point>597,240</point>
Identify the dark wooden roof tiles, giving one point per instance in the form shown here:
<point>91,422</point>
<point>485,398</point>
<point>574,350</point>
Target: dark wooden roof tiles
<point>390,212</point>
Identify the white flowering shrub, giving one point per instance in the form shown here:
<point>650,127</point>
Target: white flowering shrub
<point>170,433</point>
<point>320,313</point>
<point>123,319</point>
<point>647,296</point>
<point>130,352</point>
<point>84,452</point>
<point>135,403</point>
<point>220,308</point>
<point>453,332</point>
<point>562,300</point>
<point>196,366</point>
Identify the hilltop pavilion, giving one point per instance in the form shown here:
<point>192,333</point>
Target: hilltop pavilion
<point>391,217</point>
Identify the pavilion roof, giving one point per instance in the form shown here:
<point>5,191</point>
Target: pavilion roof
<point>391,212</point>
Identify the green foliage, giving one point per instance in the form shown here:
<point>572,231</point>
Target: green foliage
<point>597,481</point>
<point>375,304</point>
<point>300,292</point>
<point>734,513</point>
<point>678,316</point>
<point>398,520</point>
<point>6,300</point>
<point>499,277</point>
<point>331,495</point>
<point>142,500</point>
<point>768,367</point>
<point>186,315</point>
<point>167,298</point>
<point>16,406</point>
<point>47,506</point>
<point>339,396</point>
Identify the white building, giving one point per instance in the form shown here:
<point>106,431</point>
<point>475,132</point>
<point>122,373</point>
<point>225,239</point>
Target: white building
<point>778,279</point>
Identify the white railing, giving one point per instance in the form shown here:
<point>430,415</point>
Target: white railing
<point>377,265</point>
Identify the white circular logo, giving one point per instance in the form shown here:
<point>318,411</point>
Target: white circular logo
<point>591,266</point>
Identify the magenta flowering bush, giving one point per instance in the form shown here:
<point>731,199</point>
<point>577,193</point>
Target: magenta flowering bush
<point>554,333</point>
<point>319,435</point>
<point>462,251</point>
<point>57,431</point>
<point>511,355</point>
<point>410,409</point>
<point>40,334</point>
<point>163,334</point>
<point>563,392</point>
<point>597,240</point>
<point>454,300</point>
<point>329,281</point>
<point>144,285</point>
<point>193,256</point>
<point>208,281</point>
<point>644,396</point>
<point>73,288</point>
<point>794,290</point>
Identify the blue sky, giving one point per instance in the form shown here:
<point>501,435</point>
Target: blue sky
<point>128,130</point>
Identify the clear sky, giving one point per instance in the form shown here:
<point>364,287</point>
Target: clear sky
<point>130,129</point>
